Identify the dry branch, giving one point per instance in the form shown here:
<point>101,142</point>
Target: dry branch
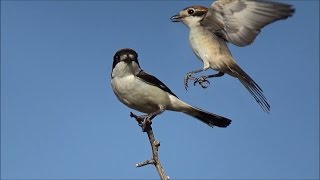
<point>145,123</point>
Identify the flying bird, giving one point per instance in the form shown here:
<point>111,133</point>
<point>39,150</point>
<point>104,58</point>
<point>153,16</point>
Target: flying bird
<point>228,21</point>
<point>145,93</point>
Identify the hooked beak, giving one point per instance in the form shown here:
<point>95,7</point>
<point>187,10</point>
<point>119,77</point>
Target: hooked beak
<point>176,18</point>
<point>129,58</point>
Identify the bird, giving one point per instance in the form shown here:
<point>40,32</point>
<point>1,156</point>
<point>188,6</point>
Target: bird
<point>144,92</point>
<point>228,21</point>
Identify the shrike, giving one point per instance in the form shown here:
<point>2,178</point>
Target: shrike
<point>234,21</point>
<point>145,93</point>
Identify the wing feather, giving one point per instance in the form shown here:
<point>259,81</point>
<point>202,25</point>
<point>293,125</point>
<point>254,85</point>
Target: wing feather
<point>148,78</point>
<point>240,21</point>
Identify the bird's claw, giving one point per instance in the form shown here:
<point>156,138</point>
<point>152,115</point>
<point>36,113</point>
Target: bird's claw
<point>145,124</point>
<point>204,83</point>
<point>186,79</point>
<point>143,121</point>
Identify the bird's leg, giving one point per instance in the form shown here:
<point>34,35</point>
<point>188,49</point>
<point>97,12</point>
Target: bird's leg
<point>189,76</point>
<point>202,80</point>
<point>139,119</point>
<point>144,121</point>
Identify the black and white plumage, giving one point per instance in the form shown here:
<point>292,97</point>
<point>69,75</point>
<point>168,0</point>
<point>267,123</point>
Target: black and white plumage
<point>145,93</point>
<point>234,21</point>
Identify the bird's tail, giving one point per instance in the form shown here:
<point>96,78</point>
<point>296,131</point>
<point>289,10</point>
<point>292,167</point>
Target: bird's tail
<point>252,87</point>
<point>208,118</point>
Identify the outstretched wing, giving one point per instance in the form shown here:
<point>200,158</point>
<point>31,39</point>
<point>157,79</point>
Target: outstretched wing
<point>148,78</point>
<point>240,21</point>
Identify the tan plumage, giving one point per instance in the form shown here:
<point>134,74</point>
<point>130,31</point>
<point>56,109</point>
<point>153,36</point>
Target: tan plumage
<point>235,21</point>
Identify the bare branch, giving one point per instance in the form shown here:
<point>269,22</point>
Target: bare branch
<point>145,123</point>
<point>150,161</point>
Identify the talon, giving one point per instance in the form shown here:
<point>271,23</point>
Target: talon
<point>133,115</point>
<point>186,79</point>
<point>195,82</point>
<point>186,84</point>
<point>146,123</point>
<point>204,83</point>
<point>140,119</point>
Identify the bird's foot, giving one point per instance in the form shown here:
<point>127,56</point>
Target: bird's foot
<point>144,121</point>
<point>186,79</point>
<point>202,80</point>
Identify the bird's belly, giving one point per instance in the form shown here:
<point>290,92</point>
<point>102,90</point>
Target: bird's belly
<point>209,50</point>
<point>138,95</point>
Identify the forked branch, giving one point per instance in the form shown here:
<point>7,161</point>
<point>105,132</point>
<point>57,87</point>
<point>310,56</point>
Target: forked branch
<point>145,123</point>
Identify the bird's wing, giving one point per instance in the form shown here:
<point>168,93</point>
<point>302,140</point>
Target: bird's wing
<point>148,78</point>
<point>240,21</point>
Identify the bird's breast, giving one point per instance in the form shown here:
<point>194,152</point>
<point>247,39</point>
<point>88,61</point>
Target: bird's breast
<point>208,47</point>
<point>139,95</point>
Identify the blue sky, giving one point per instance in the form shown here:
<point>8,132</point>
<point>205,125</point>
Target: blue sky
<point>61,120</point>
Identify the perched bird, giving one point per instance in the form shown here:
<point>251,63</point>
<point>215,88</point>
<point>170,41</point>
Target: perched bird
<point>145,93</point>
<point>234,21</point>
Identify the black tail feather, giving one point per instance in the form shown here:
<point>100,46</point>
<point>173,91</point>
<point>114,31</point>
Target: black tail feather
<point>209,118</point>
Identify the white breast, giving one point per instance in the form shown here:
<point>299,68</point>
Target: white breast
<point>139,95</point>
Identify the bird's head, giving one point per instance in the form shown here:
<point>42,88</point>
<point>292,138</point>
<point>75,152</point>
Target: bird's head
<point>126,55</point>
<point>125,62</point>
<point>190,16</point>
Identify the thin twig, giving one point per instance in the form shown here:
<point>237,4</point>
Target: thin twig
<point>145,124</point>
<point>146,162</point>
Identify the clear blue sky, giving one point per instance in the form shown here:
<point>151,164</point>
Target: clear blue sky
<point>61,120</point>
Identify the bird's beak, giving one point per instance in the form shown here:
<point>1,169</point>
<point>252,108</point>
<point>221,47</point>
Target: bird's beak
<point>129,59</point>
<point>176,18</point>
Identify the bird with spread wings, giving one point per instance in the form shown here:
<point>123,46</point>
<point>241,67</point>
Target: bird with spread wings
<point>228,21</point>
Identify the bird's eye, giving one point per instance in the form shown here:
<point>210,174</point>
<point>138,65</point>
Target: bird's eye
<point>190,11</point>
